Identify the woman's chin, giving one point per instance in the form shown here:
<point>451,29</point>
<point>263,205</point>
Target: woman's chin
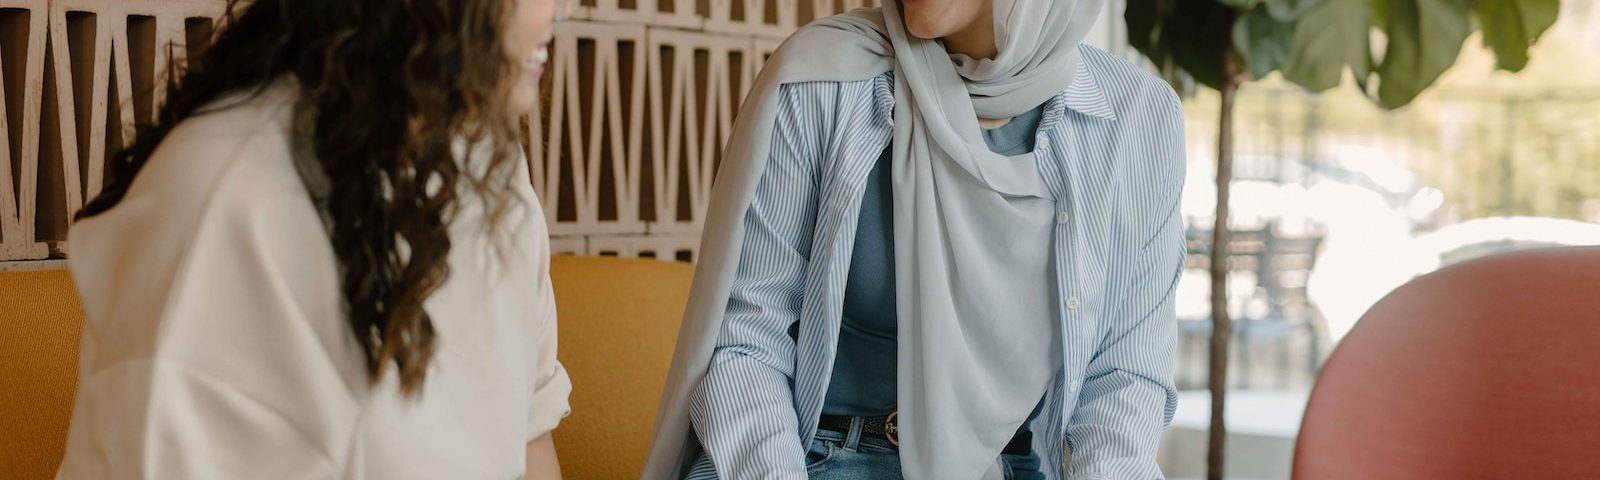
<point>523,98</point>
<point>926,30</point>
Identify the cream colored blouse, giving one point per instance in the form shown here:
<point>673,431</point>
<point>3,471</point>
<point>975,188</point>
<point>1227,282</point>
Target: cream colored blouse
<point>215,345</point>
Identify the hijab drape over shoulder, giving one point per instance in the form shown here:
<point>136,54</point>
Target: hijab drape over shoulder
<point>977,342</point>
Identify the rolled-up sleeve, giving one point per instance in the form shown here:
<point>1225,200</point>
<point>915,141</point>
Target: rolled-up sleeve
<point>743,410</point>
<point>551,385</point>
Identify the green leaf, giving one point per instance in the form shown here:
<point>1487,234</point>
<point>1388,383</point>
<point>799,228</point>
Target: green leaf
<point>1196,34</point>
<point>1240,5</point>
<point>1287,10</point>
<point>1145,19</point>
<point>1144,26</point>
<point>1262,41</point>
<point>1327,38</point>
<point>1425,38</point>
<point>1380,13</point>
<point>1511,26</point>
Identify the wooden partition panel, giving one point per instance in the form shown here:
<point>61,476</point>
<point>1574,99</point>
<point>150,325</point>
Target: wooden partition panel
<point>639,99</point>
<point>79,77</point>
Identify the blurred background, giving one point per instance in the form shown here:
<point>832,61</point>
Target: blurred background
<point>1338,196</point>
<point>1336,202</point>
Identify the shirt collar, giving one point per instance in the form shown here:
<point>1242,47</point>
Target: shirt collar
<point>1085,95</point>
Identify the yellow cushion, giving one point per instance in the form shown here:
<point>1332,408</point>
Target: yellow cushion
<point>39,324</point>
<point>618,324</point>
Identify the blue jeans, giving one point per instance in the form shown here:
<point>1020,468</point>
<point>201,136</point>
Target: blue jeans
<point>850,456</point>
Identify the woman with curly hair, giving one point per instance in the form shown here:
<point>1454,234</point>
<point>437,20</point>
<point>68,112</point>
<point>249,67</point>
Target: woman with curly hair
<point>325,259</point>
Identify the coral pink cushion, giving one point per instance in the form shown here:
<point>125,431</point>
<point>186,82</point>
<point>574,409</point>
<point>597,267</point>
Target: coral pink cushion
<point>1489,369</point>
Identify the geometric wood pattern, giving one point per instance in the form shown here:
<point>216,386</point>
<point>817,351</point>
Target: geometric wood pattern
<point>22,37</point>
<point>639,99</point>
<point>79,76</point>
<point>639,103</point>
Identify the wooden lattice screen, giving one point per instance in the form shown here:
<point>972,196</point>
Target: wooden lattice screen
<point>76,76</point>
<point>640,97</point>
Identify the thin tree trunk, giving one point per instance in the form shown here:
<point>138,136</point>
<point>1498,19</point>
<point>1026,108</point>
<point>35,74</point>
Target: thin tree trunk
<point>1221,324</point>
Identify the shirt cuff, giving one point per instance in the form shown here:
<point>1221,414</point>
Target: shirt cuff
<point>549,404</point>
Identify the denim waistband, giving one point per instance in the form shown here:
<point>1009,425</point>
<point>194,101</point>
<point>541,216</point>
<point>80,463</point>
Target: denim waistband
<point>856,437</point>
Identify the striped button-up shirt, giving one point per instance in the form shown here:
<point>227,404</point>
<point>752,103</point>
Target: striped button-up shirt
<point>1110,149</point>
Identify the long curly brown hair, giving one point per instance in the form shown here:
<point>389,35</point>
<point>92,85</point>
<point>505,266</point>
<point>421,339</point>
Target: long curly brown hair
<point>387,88</point>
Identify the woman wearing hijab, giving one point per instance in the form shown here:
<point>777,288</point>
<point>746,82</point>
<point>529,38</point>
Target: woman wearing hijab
<point>301,272</point>
<point>943,246</point>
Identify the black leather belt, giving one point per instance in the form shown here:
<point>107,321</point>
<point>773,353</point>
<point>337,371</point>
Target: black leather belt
<point>885,427</point>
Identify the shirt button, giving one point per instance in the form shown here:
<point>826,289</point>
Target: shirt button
<point>1074,387</point>
<point>1072,303</point>
<point>1062,217</point>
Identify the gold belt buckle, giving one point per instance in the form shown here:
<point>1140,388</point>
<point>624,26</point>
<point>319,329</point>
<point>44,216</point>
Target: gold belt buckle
<point>891,430</point>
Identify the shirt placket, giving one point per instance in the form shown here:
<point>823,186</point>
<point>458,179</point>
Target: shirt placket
<point>1076,328</point>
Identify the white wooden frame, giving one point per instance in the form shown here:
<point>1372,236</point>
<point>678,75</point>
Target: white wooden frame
<point>19,194</point>
<point>79,144</point>
<point>649,159</point>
